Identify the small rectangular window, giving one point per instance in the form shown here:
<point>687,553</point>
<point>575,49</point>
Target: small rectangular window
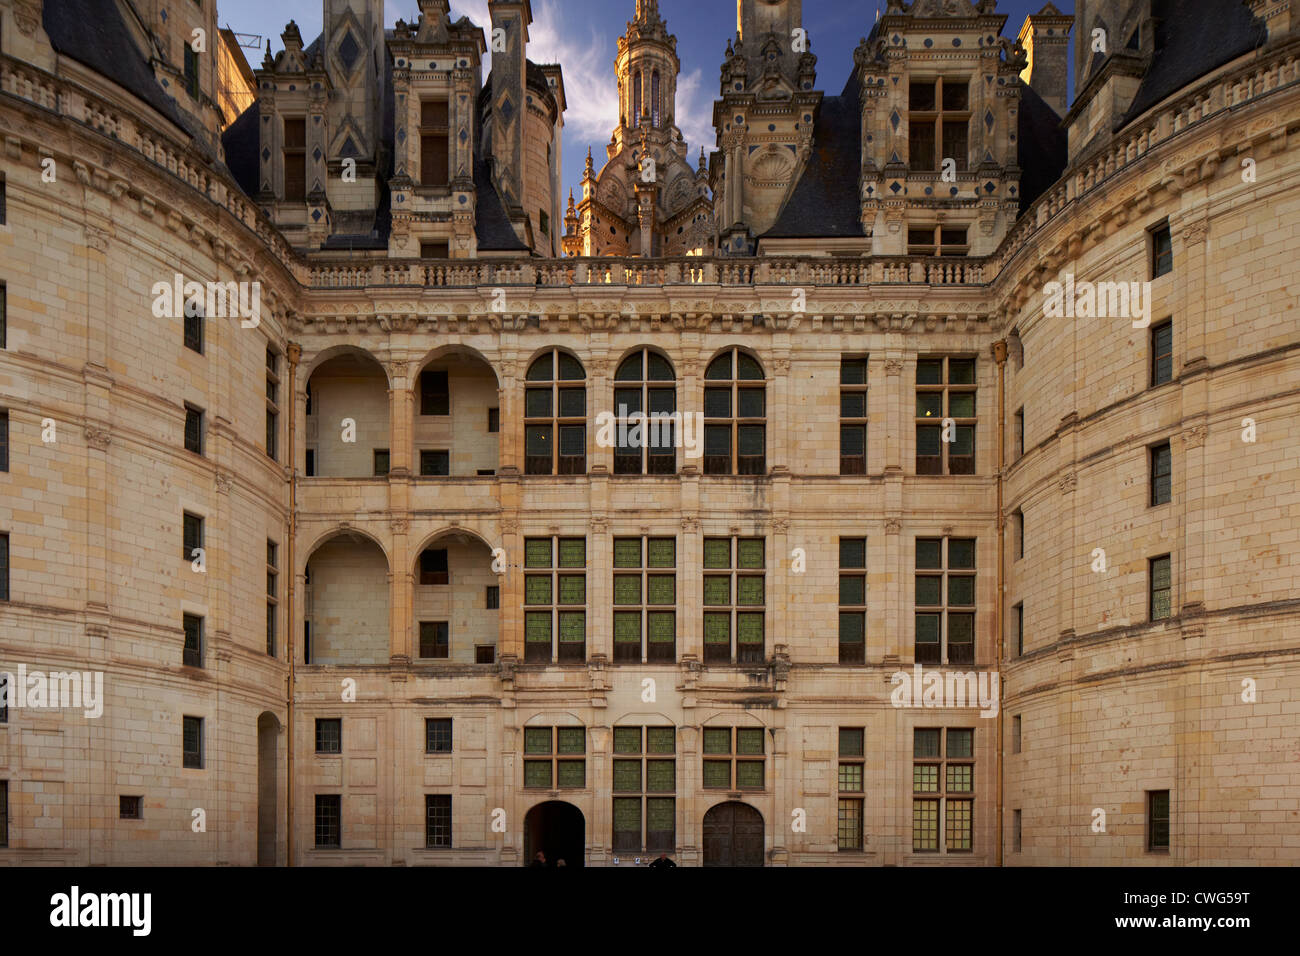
<point>1160,576</point>
<point>192,743</point>
<point>295,159</point>
<point>193,653</point>
<point>1162,353</point>
<point>193,327</point>
<point>4,813</point>
<point>1162,251</point>
<point>381,462</point>
<point>435,393</point>
<point>433,567</point>
<point>485,654</point>
<point>129,808</point>
<point>492,597</point>
<point>191,536</point>
<point>329,735</point>
<point>311,463</point>
<point>494,420</point>
<point>329,825</point>
<point>435,640</point>
<point>194,429</point>
<point>1157,820</point>
<point>435,250</point>
<point>1161,474</point>
<point>435,463</point>
<point>437,735</point>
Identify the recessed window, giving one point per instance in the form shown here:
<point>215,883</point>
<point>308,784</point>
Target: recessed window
<point>937,240</point>
<point>555,758</point>
<point>1016,837</point>
<point>435,123</point>
<point>329,820</point>
<point>1018,435</point>
<point>494,420</point>
<point>945,601</point>
<point>853,416</point>
<point>272,594</point>
<point>735,415</point>
<point>435,640</point>
<point>192,655</point>
<point>437,821</point>
<point>735,595</point>
<point>4,813</point>
<point>1018,533</point>
<point>4,440</point>
<point>1162,251</point>
<point>3,205</point>
<point>191,72</point>
<point>435,392</point>
<point>4,567</point>
<point>853,600</point>
<point>645,384</point>
<point>433,567</point>
<point>945,416</point>
<point>194,429</point>
<point>192,743</point>
<point>1161,468</point>
<point>193,314</point>
<point>311,463</point>
<point>435,250</point>
<point>382,462</point>
<point>295,159</point>
<point>1160,577</point>
<point>437,735</point>
<point>555,416</point>
<point>1015,734</point>
<point>1158,820</point>
<point>852,774</point>
<point>734,758</point>
<point>329,735</point>
<point>130,808</point>
<point>191,536</point>
<point>4,698</point>
<point>272,405</point>
<point>1162,352</point>
<point>4,324</point>
<point>492,597</point>
<point>1018,623</point>
<point>645,600</point>
<point>485,653</point>
<point>938,122</point>
<point>943,784</point>
<point>645,787</point>
<point>436,463</point>
<point>555,599</point>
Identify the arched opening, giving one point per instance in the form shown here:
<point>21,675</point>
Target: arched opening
<point>457,416</point>
<point>268,742</point>
<point>636,100</point>
<point>733,835</point>
<point>558,830</point>
<point>456,600</point>
<point>347,418</point>
<point>654,99</point>
<point>346,602</point>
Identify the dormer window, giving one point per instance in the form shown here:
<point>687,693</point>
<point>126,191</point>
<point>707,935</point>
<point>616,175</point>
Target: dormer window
<point>434,143</point>
<point>937,240</point>
<point>938,123</point>
<point>295,160</point>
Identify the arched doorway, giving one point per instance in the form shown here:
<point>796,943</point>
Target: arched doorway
<point>733,835</point>
<point>268,742</point>
<point>559,830</point>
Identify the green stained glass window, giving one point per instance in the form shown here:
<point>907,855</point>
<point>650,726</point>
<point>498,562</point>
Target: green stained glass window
<point>717,552</point>
<point>929,553</point>
<point>853,589</point>
<point>661,740</point>
<point>929,591</point>
<point>925,778</point>
<point>573,589</point>
<point>572,740</point>
<point>717,590</point>
<point>717,628</point>
<point>537,773</point>
<point>627,775</point>
<point>573,626</point>
<point>627,740</point>
<point>537,553</point>
<point>661,553</point>
<point>749,774</point>
<point>572,774</point>
<point>660,814</point>
<point>661,589</point>
<point>537,740</point>
<point>749,590</point>
<point>717,774</point>
<point>661,776</point>
<point>573,552</point>
<point>627,627</point>
<point>717,740</point>
<point>627,816</point>
<point>749,553</point>
<point>627,589</point>
<point>537,627</point>
<point>959,778</point>
<point>537,589</point>
<point>749,628</point>
<point>851,777</point>
<point>749,740</point>
<point>661,627</point>
<point>961,743</point>
<point>627,552</point>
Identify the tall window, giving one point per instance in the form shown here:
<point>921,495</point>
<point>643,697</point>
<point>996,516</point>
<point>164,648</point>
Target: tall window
<point>1018,533</point>
<point>645,599</point>
<point>4,567</point>
<point>192,656</point>
<point>433,567</point>
<point>1162,352</point>
<point>272,594</point>
<point>329,820</point>
<point>1158,820</point>
<point>734,758</point>
<point>1015,734</point>
<point>1018,622</point>
<point>555,758</point>
<point>4,213</point>
<point>735,429</point>
<point>654,99</point>
<point>272,405</point>
<point>437,821</point>
<point>1162,251</point>
<point>192,313</point>
<point>1018,435</point>
<point>945,416</point>
<point>437,735</point>
<point>191,535</point>
<point>4,323</point>
<point>945,600</point>
<point>852,770</point>
<point>853,600</point>
<point>645,784</point>
<point>435,640</point>
<point>4,812</point>
<point>383,462</point>
<point>645,384</point>
<point>555,599</point>
<point>4,699</point>
<point>555,406</point>
<point>4,440</point>
<point>1160,598</point>
<point>435,392</point>
<point>1161,474</point>
<point>295,159</point>
<point>191,72</point>
<point>192,743</point>
<point>636,99</point>
<point>734,598</point>
<point>434,143</point>
<point>943,787</point>
<point>1016,835</point>
<point>329,735</point>
<point>853,416</point>
<point>194,429</point>
<point>938,122</point>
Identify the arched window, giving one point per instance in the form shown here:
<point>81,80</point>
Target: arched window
<point>555,416</point>
<point>654,99</point>
<point>645,398</point>
<point>636,100</point>
<point>735,400</point>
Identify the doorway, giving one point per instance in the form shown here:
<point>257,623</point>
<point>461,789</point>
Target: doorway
<point>559,830</point>
<point>733,835</point>
<point>268,739</point>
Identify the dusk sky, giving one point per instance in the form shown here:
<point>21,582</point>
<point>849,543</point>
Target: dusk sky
<point>582,35</point>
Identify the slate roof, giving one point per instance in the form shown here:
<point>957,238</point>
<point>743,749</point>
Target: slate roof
<point>1193,38</point>
<point>491,226</point>
<point>92,33</point>
<point>825,201</point>
<point>240,140</point>
<point>1042,146</point>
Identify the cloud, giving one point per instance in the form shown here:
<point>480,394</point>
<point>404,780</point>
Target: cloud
<point>590,87</point>
<point>695,114</point>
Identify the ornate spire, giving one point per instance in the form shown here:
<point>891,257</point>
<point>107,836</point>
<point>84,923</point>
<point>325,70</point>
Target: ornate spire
<point>647,10</point>
<point>590,171</point>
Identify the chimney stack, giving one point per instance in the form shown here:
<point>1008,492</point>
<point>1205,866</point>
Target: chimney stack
<point>1046,39</point>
